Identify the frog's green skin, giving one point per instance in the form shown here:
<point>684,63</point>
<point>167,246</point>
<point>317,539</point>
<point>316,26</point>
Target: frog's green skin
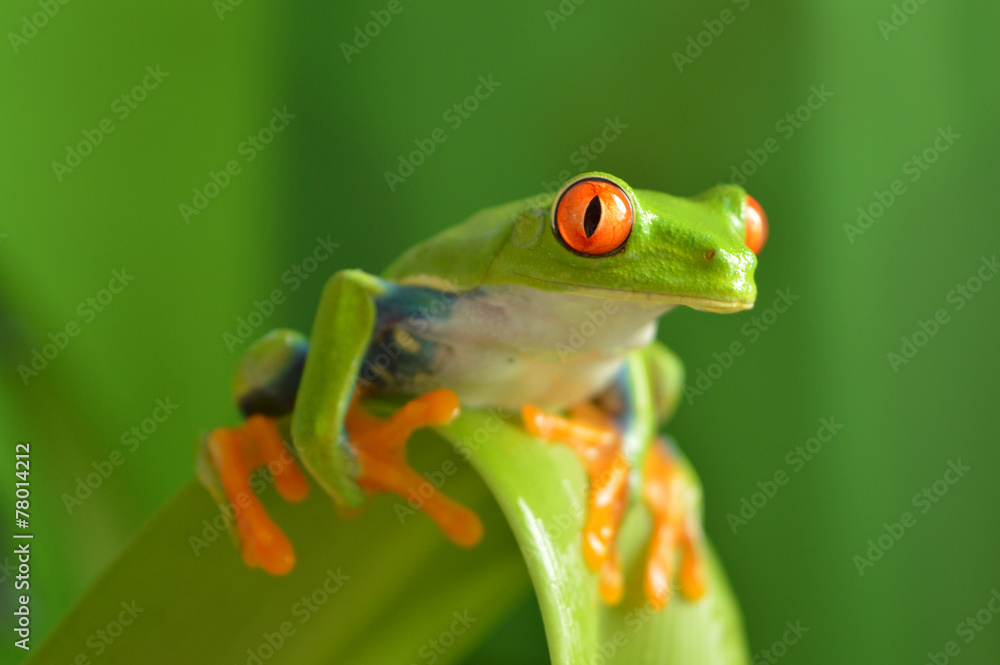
<point>500,311</point>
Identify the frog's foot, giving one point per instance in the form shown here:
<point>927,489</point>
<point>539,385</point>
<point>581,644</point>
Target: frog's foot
<point>229,457</point>
<point>597,442</point>
<point>380,447</point>
<point>672,499</point>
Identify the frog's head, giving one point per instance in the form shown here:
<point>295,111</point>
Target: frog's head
<point>600,237</point>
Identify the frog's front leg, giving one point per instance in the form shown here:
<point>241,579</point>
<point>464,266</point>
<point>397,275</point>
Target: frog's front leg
<point>349,451</point>
<point>615,436</point>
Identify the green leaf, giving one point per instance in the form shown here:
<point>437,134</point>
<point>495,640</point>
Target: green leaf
<point>541,488</point>
<point>405,583</point>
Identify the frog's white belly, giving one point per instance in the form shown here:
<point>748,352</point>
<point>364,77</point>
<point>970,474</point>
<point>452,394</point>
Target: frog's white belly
<point>520,345</point>
<point>495,379</point>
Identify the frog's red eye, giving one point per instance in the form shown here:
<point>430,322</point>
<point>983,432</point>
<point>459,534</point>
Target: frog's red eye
<point>756,225</point>
<point>593,217</point>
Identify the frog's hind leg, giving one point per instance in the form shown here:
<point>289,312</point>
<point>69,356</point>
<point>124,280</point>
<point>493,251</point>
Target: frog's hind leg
<point>264,388</point>
<point>670,488</point>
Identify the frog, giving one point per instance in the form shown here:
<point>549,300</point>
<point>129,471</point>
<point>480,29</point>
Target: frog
<point>544,309</point>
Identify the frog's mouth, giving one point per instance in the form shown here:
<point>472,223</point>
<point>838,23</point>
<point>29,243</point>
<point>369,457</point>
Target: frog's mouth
<point>652,298</point>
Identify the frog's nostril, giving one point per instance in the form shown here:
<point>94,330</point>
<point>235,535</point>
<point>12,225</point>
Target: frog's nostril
<point>709,255</point>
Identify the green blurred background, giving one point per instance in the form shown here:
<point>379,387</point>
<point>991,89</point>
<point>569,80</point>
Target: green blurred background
<point>893,76</point>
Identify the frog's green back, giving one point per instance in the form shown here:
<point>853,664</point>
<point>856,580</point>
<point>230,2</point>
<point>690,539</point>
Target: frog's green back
<point>462,254</point>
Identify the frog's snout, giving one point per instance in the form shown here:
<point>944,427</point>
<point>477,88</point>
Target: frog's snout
<point>731,271</point>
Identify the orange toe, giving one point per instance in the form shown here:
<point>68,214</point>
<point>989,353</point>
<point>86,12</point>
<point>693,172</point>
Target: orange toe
<point>692,576</point>
<point>438,407</point>
<point>612,580</point>
<point>288,477</point>
<point>598,444</point>
<point>380,447</point>
<point>676,530</point>
<point>234,453</point>
<point>265,545</point>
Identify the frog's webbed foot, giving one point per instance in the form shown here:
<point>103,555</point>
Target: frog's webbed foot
<point>227,460</point>
<point>598,444</point>
<point>230,455</point>
<point>667,489</point>
<point>380,448</point>
<point>672,498</point>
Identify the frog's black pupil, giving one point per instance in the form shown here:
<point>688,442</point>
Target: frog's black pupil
<point>592,217</point>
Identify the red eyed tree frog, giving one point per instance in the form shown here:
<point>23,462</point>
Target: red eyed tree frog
<point>481,316</point>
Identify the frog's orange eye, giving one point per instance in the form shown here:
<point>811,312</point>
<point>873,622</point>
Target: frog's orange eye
<point>593,217</point>
<point>756,225</point>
